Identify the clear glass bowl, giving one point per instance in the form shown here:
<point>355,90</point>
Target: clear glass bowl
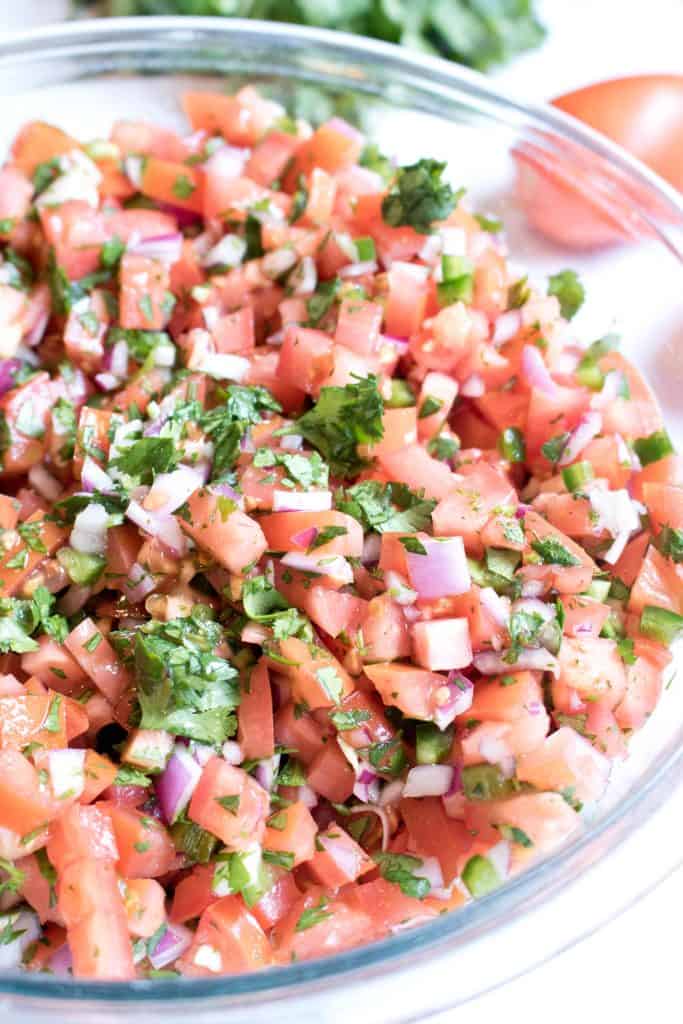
<point>82,76</point>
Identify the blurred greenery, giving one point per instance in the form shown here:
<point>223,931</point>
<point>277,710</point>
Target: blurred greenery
<point>479,33</point>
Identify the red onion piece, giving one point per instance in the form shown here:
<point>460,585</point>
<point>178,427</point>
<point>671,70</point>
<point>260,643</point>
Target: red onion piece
<point>588,428</point>
<point>372,545</point>
<point>143,583</point>
<point>369,808</point>
<point>172,944</point>
<point>498,607</point>
<point>61,962</point>
<point>334,566</point>
<point>428,780</point>
<point>442,571</point>
<point>266,771</point>
<point>536,373</point>
<point>232,752</point>
<point>532,606</point>
<point>164,527</point>
<point>44,483</point>
<point>304,538</point>
<point>171,490</point>
<point>358,269</point>
<point>165,248</point>
<point>107,381</point>
<point>177,783</point>
<point>94,478</point>
<point>473,387</point>
<point>302,501</point>
<point>73,600</point>
<point>536,659</point>
<point>8,368</point>
<point>506,327</point>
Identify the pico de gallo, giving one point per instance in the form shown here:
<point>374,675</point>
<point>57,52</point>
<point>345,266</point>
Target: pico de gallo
<point>336,570</point>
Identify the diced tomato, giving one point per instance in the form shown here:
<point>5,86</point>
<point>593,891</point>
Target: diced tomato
<point>234,539</point>
<point>337,928</point>
<point>193,894</point>
<point>340,861</point>
<point>330,774</point>
<point>255,715</point>
<point>238,827</point>
<point>278,901</point>
<point>292,830</point>
<point>228,940</point>
<point>144,903</point>
<point>39,142</point>
<point>96,656</point>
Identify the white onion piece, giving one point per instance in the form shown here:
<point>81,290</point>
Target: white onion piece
<point>499,856</point>
<point>201,752</point>
<point>171,490</point>
<point>536,659</point>
<point>302,501</point>
<point>89,533</point>
<point>44,483</point>
<point>66,769</point>
<point>506,327</point>
<point>227,161</point>
<point>292,442</point>
<point>232,752</point>
<point>498,607</point>
<point>278,262</point>
<point>132,167</point>
<point>307,796</point>
<point>442,571</point>
<point>334,566</point>
<point>535,372</point>
<point>229,252</point>
<point>473,387</point>
<point>172,944</point>
<point>164,248</point>
<point>588,428</point>
<point>428,780</point>
<point>107,381</point>
<point>532,606</point>
<point>164,527</point>
<point>221,365</point>
<point>399,589</point>
<point>142,583</point>
<point>94,478</point>
<point>25,925</point>
<point>359,268</point>
<point>617,513</point>
<point>176,784</point>
<point>431,870</point>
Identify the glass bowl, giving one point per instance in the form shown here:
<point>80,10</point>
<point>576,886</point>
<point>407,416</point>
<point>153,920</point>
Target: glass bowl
<point>82,76</point>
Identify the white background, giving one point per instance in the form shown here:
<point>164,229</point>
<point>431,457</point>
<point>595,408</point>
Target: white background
<point>631,969</point>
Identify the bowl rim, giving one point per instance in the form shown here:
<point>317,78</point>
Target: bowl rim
<point>476,919</point>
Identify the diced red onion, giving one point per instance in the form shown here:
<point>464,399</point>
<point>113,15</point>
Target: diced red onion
<point>398,588</point>
<point>164,527</point>
<point>61,962</point>
<point>304,538</point>
<point>507,326</point>
<point>176,784</point>
<point>118,361</point>
<point>391,793</point>
<point>400,344</point>
<point>229,252</point>
<point>307,796</point>
<point>442,571</point>
<point>373,808</point>
<point>232,752</point>
<point>536,373</point>
<point>473,387</point>
<point>44,483</point>
<point>499,856</point>
<point>292,442</point>
<point>201,752</point>
<point>94,478</point>
<point>532,588</point>
<point>266,771</point>
<point>463,692</point>
<point>588,428</point>
<point>165,248</point>
<point>172,944</point>
<point>171,490</point>
<point>24,926</point>
<point>223,366</point>
<point>73,600</point>
<point>428,780</point>
<point>226,491</point>
<point>227,162</point>
<point>8,368</point>
<point>431,870</point>
<point>66,769</point>
<point>498,607</point>
<point>89,533</point>
<point>371,549</point>
<point>302,501</point>
<point>334,566</point>
<point>359,268</point>
<point>254,633</point>
<point>536,659</point>
<point>143,583</point>
<point>532,606</point>
<point>107,381</point>
<point>366,787</point>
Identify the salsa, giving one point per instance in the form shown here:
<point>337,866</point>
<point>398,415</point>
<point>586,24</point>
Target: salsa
<point>335,569</point>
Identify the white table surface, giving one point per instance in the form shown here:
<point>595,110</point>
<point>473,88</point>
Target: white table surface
<point>629,970</point>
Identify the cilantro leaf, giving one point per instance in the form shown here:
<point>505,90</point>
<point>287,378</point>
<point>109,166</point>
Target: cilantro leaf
<point>261,601</point>
<point>183,687</point>
<point>342,419</point>
<point>553,552</point>
<point>226,424</point>
<point>147,457</point>
<point>386,508</point>
<point>400,869</point>
<point>419,197</point>
<point>313,916</point>
<point>569,291</point>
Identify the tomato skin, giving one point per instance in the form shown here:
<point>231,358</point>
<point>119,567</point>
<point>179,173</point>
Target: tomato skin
<point>144,903</point>
<point>255,715</point>
<point>345,927</point>
<point>98,659</point>
<point>240,830</point>
<point>144,284</point>
<point>144,845</point>
<point>232,935</point>
<point>235,542</point>
<point>278,901</point>
<point>193,894</point>
<point>642,113</point>
<point>97,928</point>
<point>24,806</point>
<point>295,833</point>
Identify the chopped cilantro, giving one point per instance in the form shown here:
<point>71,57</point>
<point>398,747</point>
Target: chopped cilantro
<point>386,508</point>
<point>569,291</point>
<point>553,552</point>
<point>419,197</point>
<point>400,869</point>
<point>342,419</point>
